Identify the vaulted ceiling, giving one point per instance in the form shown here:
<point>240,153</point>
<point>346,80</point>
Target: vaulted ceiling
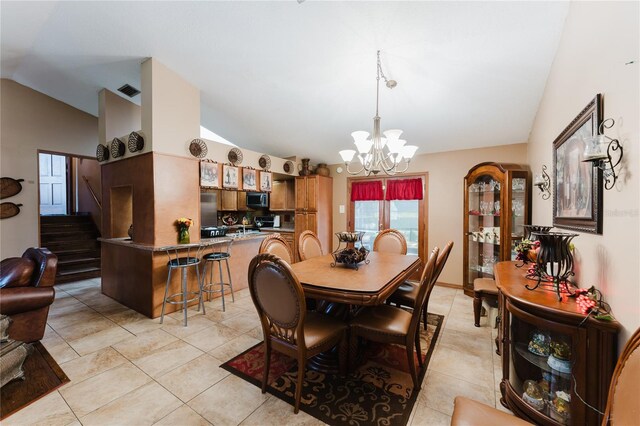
<point>297,79</point>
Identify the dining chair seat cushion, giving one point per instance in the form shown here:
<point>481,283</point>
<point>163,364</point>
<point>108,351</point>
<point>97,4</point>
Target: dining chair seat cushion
<point>485,285</point>
<point>183,261</point>
<point>216,256</point>
<point>383,319</point>
<point>319,328</point>
<point>468,412</point>
<point>406,294</point>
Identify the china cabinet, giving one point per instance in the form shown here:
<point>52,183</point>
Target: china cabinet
<point>497,200</point>
<point>554,361</point>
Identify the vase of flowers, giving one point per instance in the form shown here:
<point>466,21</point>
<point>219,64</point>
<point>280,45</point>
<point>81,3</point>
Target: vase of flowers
<point>183,225</point>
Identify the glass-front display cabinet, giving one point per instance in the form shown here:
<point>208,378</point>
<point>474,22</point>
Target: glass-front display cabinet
<point>556,362</point>
<point>497,200</point>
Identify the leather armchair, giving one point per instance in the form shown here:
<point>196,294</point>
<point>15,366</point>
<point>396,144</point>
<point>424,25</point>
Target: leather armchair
<point>26,292</point>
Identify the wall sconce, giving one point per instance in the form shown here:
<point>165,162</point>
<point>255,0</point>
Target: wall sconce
<point>543,182</point>
<point>601,157</point>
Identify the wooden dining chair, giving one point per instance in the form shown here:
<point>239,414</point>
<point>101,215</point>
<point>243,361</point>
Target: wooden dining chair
<point>275,244</point>
<point>391,324</point>
<point>390,241</point>
<point>309,245</point>
<point>407,293</point>
<point>287,326</point>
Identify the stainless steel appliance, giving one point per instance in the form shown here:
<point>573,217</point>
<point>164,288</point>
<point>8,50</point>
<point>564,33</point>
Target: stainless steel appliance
<point>258,200</point>
<point>208,209</point>
<point>264,221</point>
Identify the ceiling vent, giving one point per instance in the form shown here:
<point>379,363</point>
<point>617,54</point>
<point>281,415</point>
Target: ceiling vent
<point>129,90</point>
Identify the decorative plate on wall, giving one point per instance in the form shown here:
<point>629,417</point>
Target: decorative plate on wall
<point>198,148</point>
<point>136,142</point>
<point>102,153</point>
<point>265,162</point>
<point>235,156</point>
<point>117,148</point>
<point>288,167</point>
<point>8,210</point>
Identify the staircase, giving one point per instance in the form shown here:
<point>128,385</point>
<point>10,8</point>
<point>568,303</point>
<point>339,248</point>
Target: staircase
<point>74,240</point>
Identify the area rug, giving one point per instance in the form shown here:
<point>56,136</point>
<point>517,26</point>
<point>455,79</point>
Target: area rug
<point>42,376</point>
<point>379,391</point>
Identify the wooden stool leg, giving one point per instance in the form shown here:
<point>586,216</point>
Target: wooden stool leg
<point>477,307</point>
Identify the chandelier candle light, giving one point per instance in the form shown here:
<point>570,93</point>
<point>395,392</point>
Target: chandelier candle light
<point>387,154</point>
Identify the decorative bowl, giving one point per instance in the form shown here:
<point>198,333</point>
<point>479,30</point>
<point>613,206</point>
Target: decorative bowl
<point>350,257</point>
<point>349,237</point>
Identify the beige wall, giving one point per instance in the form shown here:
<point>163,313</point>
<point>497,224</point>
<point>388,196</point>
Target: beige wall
<point>170,109</point>
<point>598,39</point>
<point>446,185</point>
<point>32,121</point>
<point>117,117</point>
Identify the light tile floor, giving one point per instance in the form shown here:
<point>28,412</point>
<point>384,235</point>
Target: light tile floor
<point>128,369</point>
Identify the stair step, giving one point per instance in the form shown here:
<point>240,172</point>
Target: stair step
<point>79,271</point>
<point>52,237</point>
<point>62,227</point>
<point>81,261</point>
<point>60,246</point>
<point>60,219</point>
<point>77,276</point>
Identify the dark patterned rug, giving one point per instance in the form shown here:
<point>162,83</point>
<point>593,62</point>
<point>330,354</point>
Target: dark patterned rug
<point>379,391</point>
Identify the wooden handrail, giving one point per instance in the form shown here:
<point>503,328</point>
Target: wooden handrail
<point>93,194</point>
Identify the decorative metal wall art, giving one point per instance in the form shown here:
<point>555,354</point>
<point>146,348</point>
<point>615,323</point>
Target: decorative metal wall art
<point>198,148</point>
<point>264,162</point>
<point>136,142</point>
<point>117,148</point>
<point>102,153</point>
<point>235,156</point>
<point>543,182</point>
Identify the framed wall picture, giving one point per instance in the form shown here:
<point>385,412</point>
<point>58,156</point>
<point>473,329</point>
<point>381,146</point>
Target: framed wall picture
<point>229,177</point>
<point>577,195</point>
<point>249,179</point>
<point>266,181</point>
<point>209,177</point>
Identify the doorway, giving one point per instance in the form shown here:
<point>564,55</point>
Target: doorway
<point>53,184</point>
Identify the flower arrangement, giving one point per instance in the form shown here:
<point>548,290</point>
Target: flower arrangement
<point>183,224</point>
<point>591,302</point>
<point>527,251</point>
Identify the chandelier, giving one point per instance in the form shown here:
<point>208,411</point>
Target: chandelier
<point>387,154</point>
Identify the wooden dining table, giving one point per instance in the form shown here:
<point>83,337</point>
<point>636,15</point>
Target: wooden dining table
<point>341,290</point>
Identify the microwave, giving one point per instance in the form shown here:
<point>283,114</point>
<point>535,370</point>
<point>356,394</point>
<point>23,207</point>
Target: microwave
<point>257,200</point>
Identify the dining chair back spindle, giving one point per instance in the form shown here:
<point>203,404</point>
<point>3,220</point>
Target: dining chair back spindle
<point>309,245</point>
<point>390,241</point>
<point>276,245</point>
<point>287,326</point>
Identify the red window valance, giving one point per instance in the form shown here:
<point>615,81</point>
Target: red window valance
<point>367,191</point>
<point>404,189</point>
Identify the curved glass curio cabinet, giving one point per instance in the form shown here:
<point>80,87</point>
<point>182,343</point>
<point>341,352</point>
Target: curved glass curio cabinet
<point>497,199</point>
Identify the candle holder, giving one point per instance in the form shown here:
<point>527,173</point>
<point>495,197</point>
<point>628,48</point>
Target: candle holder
<point>543,182</point>
<point>605,153</point>
<point>554,264</point>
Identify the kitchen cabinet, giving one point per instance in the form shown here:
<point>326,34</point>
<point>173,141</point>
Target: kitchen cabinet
<point>314,209</point>
<point>288,237</point>
<point>497,200</point>
<point>242,201</point>
<point>229,200</point>
<point>283,196</point>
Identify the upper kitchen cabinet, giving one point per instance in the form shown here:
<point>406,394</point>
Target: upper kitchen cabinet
<point>242,201</point>
<point>314,208</point>
<point>229,200</point>
<point>283,196</point>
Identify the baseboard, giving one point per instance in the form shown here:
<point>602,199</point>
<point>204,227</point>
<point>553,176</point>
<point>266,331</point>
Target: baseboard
<point>449,285</point>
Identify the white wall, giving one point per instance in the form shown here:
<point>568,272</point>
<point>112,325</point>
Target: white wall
<point>599,38</point>
<point>33,121</point>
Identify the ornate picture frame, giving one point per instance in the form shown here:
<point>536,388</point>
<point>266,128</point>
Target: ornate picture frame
<point>209,177</point>
<point>266,181</point>
<point>229,177</point>
<point>249,179</point>
<point>577,189</point>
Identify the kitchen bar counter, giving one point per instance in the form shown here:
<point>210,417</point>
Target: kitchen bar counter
<point>265,229</point>
<point>136,274</point>
<point>203,241</point>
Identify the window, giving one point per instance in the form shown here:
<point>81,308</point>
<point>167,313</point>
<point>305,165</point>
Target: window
<point>371,210</point>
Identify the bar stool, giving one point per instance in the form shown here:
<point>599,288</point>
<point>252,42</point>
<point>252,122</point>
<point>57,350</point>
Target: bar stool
<point>218,257</point>
<point>183,264</point>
